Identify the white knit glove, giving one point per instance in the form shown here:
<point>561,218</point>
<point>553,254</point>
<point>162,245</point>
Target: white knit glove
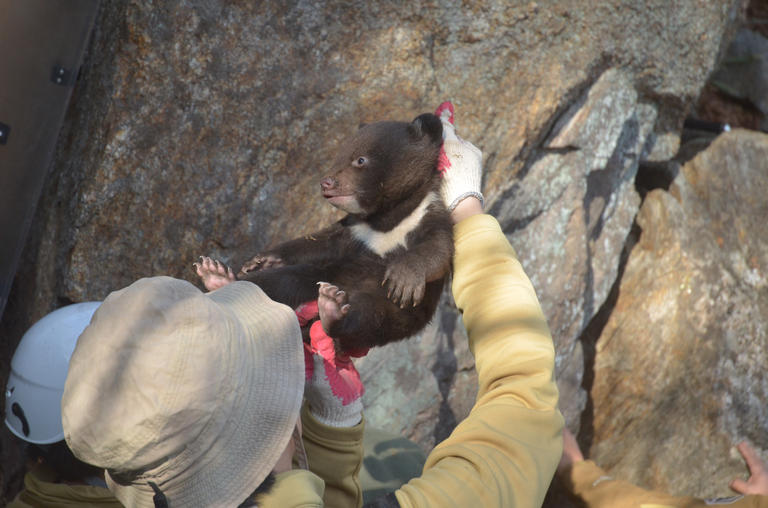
<point>333,388</point>
<point>332,392</point>
<point>460,162</point>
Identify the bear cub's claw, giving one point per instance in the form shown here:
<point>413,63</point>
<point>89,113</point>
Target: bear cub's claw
<point>260,262</point>
<point>213,273</point>
<point>332,305</point>
<point>405,283</point>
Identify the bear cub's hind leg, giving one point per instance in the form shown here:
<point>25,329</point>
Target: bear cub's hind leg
<point>332,305</point>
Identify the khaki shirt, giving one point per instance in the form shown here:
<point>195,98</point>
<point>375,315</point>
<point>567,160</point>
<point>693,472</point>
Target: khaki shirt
<point>38,493</point>
<point>599,490</point>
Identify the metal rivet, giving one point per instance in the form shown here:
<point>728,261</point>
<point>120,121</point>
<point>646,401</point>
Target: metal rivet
<point>4,133</point>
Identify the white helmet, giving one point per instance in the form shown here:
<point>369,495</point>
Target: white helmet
<point>38,371</point>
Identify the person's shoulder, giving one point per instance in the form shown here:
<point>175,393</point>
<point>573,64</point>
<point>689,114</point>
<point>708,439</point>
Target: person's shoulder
<point>294,488</point>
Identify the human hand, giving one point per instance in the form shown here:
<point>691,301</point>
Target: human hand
<point>571,452</point>
<point>333,387</point>
<point>758,473</point>
<point>460,163</point>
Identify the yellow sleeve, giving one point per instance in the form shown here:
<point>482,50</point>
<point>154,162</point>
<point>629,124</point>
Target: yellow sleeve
<point>38,492</point>
<point>335,454</point>
<point>587,481</point>
<point>505,452</point>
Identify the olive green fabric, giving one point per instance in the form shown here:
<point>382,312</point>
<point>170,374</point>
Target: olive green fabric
<point>38,493</point>
<point>389,461</point>
<point>335,454</point>
<point>296,488</point>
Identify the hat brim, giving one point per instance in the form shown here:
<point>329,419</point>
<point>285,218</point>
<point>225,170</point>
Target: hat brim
<point>269,382</point>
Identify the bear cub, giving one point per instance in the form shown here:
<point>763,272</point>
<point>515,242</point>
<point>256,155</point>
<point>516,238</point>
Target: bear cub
<point>382,267</point>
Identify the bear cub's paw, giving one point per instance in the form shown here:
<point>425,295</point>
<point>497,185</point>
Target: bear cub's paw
<point>332,305</point>
<point>213,273</point>
<point>405,283</point>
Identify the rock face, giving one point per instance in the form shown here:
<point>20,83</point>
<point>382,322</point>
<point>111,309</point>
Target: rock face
<point>203,127</point>
<point>680,364</point>
<point>580,197</point>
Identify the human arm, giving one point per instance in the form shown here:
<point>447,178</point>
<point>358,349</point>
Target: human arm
<point>592,485</point>
<point>331,418</point>
<point>505,452</point>
<point>335,454</point>
<point>588,482</point>
<point>332,424</point>
<point>596,489</point>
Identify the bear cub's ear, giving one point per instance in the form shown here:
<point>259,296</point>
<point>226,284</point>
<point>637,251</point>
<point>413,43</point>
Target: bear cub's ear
<point>427,125</point>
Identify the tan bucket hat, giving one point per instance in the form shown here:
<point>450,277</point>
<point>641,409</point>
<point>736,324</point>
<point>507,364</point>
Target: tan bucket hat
<point>196,392</point>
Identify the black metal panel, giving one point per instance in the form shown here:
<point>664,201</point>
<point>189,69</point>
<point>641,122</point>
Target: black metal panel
<point>42,45</point>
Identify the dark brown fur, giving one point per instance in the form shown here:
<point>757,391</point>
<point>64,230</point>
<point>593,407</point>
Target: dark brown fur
<point>380,176</point>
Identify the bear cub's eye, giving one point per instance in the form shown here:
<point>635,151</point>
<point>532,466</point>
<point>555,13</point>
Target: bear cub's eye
<point>360,162</point>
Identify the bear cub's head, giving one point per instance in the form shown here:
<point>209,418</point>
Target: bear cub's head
<point>383,164</point>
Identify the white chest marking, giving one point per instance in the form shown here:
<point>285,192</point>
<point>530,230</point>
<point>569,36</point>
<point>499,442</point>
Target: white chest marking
<point>382,242</point>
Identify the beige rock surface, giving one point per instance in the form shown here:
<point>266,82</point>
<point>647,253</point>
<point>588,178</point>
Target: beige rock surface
<point>680,364</point>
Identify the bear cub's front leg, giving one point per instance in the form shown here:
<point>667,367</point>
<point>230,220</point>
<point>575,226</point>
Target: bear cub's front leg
<point>405,282</point>
<point>260,262</point>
